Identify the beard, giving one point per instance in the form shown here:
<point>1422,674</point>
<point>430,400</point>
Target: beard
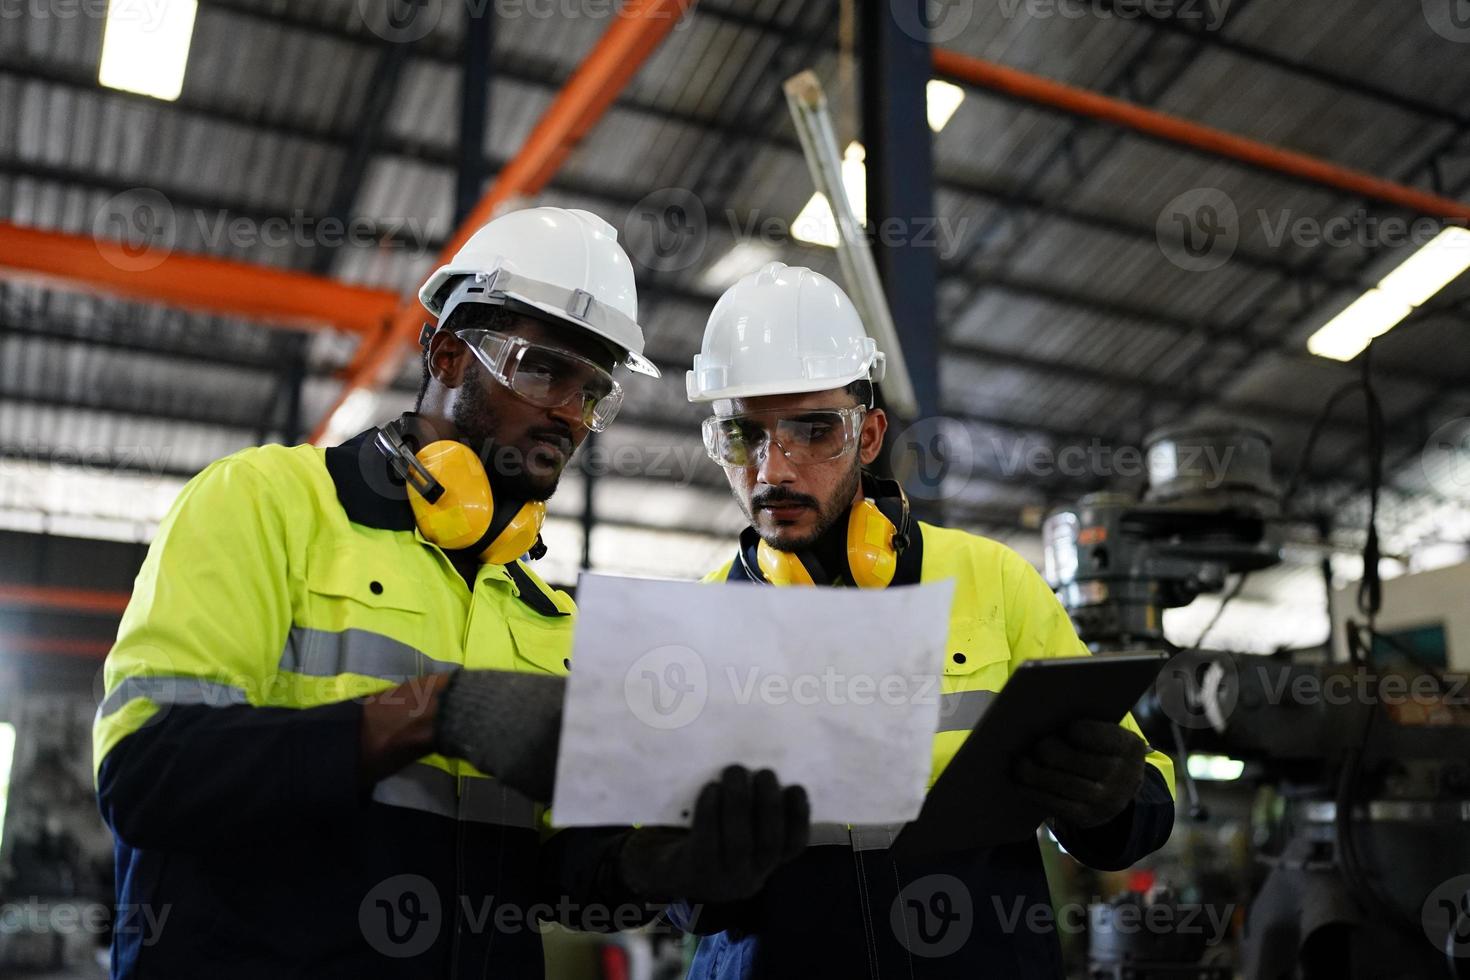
<point>514,474</point>
<point>828,514</point>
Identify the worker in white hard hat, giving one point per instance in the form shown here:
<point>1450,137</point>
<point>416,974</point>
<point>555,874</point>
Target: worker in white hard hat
<point>331,715</point>
<point>788,372</point>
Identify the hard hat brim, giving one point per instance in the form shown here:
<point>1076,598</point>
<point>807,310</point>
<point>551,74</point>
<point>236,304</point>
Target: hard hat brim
<point>779,387</point>
<point>550,301</point>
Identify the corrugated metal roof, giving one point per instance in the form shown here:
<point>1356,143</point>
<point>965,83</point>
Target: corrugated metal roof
<point>1061,292</point>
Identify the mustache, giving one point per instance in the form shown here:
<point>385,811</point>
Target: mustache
<point>559,435</point>
<point>777,496</point>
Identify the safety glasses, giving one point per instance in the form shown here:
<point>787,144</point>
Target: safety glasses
<point>547,377</point>
<point>802,436</point>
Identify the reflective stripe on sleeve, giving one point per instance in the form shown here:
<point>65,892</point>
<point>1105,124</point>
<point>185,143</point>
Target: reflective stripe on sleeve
<point>170,690</point>
<point>432,790</point>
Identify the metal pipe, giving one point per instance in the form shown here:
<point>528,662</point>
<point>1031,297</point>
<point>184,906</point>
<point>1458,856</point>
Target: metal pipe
<point>1172,129</point>
<point>808,106</point>
<point>29,644</point>
<point>638,29</point>
<point>196,282</point>
<point>91,601</point>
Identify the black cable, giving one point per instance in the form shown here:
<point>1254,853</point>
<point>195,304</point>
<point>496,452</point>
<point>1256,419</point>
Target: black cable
<point>1315,433</point>
<point>1197,810</point>
<point>1370,587</point>
<point>1220,610</point>
<point>1369,602</point>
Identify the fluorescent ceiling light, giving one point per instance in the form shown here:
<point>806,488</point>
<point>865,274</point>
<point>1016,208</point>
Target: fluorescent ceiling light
<point>7,757</point>
<point>744,257</point>
<point>1430,269</point>
<point>816,224</point>
<point>942,98</point>
<point>1215,767</point>
<point>145,47</point>
<point>1346,335</point>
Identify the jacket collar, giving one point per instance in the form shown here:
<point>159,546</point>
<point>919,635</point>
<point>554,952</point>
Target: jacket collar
<point>368,489</point>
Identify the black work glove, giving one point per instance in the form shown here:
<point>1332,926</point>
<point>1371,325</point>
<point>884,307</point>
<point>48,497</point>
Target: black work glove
<point>744,828</point>
<point>505,723</point>
<point>1086,777</point>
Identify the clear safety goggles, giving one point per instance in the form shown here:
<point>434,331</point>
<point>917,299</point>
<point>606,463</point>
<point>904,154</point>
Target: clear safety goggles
<point>802,436</point>
<point>547,377</point>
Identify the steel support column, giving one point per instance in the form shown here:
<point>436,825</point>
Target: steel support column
<point>474,106</point>
<point>896,67</point>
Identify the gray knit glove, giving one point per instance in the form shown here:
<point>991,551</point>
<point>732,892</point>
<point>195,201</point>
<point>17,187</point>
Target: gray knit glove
<point>506,723</point>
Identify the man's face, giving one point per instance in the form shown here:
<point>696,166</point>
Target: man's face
<point>524,447</point>
<point>790,505</point>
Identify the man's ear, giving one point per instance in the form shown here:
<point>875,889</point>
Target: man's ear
<point>875,425</point>
<point>448,359</point>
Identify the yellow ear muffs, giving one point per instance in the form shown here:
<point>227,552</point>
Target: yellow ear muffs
<point>519,535</point>
<point>870,554</point>
<point>460,517</point>
<point>781,567</point>
<point>871,558</point>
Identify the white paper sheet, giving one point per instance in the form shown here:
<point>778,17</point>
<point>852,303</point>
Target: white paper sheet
<point>834,689</point>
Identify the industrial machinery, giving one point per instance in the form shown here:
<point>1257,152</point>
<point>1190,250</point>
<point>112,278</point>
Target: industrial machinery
<point>1117,562</point>
<point>1127,943</point>
<point>1367,846</point>
<point>1364,766</point>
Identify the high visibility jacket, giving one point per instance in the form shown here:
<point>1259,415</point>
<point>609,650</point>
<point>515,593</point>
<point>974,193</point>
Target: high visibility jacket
<point>284,584</point>
<point>847,907</point>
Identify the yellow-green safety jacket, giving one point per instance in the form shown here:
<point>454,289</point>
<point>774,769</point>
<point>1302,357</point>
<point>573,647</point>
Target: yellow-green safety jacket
<point>283,584</point>
<point>847,907</point>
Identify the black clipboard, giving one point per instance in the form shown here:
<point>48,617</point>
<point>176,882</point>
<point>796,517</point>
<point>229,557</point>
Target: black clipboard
<point>974,803</point>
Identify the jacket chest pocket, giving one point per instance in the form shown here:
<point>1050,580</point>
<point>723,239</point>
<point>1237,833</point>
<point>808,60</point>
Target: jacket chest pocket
<point>542,646</point>
<point>361,616</point>
<point>978,656</point>
<point>976,664</point>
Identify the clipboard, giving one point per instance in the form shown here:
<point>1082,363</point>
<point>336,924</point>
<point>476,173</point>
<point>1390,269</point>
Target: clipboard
<point>975,802</point>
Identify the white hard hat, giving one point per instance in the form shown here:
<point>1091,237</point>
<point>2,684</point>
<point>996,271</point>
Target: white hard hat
<point>563,262</point>
<point>782,330</point>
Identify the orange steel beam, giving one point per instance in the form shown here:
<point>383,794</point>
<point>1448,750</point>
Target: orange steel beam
<point>26,643</point>
<point>639,28</point>
<point>1079,101</point>
<point>63,599</point>
<point>194,281</point>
